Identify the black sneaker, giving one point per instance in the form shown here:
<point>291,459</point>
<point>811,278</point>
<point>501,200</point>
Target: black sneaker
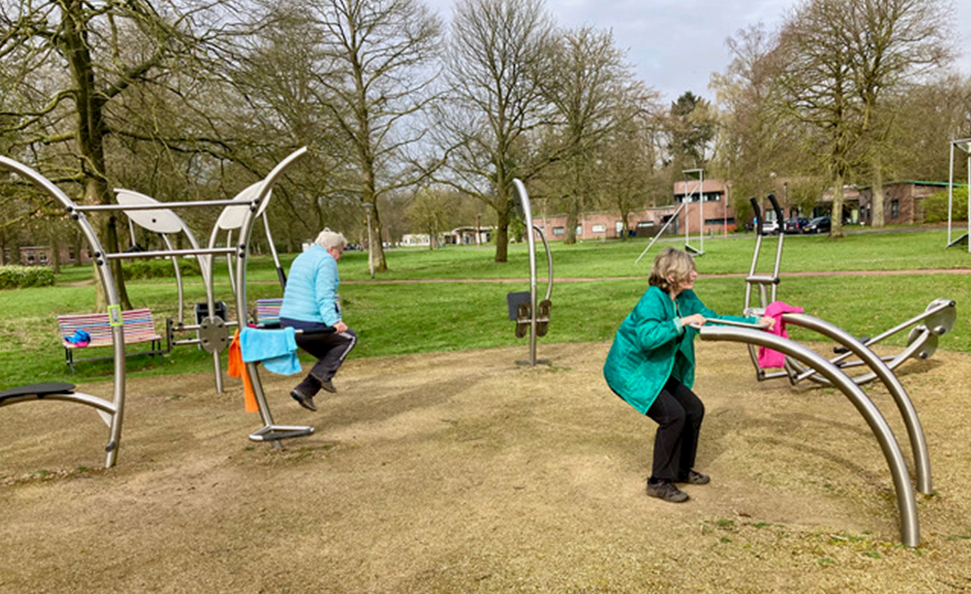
<point>665,489</point>
<point>305,401</point>
<point>328,386</point>
<point>694,478</point>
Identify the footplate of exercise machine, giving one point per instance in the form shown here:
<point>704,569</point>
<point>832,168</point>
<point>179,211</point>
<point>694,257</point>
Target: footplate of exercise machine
<point>278,432</point>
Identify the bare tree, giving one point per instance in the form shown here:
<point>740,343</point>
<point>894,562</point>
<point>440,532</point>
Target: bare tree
<point>379,70</point>
<point>429,212</point>
<point>754,139</point>
<point>816,78</point>
<point>107,48</point>
<point>631,164</point>
<point>586,85</point>
<point>497,51</point>
<point>892,43</point>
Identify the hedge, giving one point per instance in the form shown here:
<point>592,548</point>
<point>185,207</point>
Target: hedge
<point>18,277</point>
<point>935,206</point>
<point>160,268</point>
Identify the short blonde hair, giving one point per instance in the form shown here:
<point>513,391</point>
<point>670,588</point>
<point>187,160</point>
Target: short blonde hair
<point>331,239</point>
<point>669,263</point>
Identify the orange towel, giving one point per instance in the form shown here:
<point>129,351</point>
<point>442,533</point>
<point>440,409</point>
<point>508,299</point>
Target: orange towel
<point>238,369</point>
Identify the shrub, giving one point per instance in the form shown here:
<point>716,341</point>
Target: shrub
<point>158,268</point>
<point>17,277</point>
<point>935,206</point>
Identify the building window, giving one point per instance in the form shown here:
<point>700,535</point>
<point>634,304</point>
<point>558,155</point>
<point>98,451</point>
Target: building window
<point>645,224</point>
<point>558,230</point>
<point>894,208</point>
<point>579,230</point>
<point>598,229</point>
<point>713,197</point>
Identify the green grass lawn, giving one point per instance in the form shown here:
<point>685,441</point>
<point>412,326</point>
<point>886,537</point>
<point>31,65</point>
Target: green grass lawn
<point>403,317</point>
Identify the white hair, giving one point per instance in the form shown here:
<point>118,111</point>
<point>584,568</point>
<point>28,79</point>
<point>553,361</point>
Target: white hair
<point>331,239</point>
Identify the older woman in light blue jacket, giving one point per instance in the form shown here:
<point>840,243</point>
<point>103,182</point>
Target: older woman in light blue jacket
<point>310,304</point>
<point>651,365</point>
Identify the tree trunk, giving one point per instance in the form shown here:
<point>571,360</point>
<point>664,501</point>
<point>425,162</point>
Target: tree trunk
<point>55,254</point>
<point>570,233</point>
<point>836,217</point>
<point>91,133</point>
<point>380,263</point>
<point>877,218</point>
<point>502,235</point>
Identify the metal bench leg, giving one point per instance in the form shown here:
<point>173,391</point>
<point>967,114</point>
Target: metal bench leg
<point>70,359</point>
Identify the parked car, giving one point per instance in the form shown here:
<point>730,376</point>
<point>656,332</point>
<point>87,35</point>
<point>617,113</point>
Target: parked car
<point>796,224</point>
<point>818,225</point>
<point>770,227</point>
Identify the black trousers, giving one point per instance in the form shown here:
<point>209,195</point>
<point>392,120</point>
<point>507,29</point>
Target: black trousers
<point>678,413</point>
<point>329,348</point>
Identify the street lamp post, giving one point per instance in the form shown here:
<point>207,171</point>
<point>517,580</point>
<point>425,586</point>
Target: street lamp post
<point>370,252</point>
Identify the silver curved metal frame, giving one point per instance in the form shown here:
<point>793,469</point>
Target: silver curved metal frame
<point>523,196</point>
<point>269,431</point>
<point>906,504</point>
<point>112,411</point>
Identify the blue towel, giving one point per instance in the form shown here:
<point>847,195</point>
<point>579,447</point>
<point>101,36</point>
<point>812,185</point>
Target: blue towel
<point>277,349</point>
<point>81,338</point>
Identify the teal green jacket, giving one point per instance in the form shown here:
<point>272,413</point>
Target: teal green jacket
<point>651,346</point>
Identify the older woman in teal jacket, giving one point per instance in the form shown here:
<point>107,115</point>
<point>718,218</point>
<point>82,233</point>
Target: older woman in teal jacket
<point>651,365</point>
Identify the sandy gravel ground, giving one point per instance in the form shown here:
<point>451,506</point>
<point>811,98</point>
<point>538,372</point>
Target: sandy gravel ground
<point>462,472</point>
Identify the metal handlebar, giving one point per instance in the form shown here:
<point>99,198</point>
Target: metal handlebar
<point>732,323</point>
<point>778,211</point>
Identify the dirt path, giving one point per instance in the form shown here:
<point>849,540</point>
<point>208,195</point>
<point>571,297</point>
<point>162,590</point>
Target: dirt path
<point>461,472</point>
<point>619,278</point>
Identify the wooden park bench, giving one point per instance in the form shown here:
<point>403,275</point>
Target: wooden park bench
<point>268,312</point>
<point>138,324</point>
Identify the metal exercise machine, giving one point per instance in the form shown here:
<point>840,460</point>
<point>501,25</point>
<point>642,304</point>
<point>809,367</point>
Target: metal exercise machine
<point>531,317</point>
<point>697,251</point>
<point>965,146</point>
<point>760,290</point>
<point>147,213</point>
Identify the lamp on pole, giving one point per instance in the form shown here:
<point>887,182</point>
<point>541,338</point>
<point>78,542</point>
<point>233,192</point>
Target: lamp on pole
<point>370,252</point>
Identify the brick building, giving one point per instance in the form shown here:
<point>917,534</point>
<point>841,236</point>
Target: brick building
<point>40,255</point>
<point>903,202</point>
<point>703,206</point>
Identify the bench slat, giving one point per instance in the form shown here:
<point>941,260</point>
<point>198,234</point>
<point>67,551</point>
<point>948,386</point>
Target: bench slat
<point>138,323</point>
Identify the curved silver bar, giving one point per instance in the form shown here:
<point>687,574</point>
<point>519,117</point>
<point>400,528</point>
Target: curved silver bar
<point>915,432</point>
<point>93,401</point>
<point>907,506</point>
<point>549,263</point>
<point>520,190</point>
<point>245,231</point>
<point>111,295</point>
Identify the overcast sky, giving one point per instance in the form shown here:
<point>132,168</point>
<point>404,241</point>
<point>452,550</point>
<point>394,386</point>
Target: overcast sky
<point>675,45</point>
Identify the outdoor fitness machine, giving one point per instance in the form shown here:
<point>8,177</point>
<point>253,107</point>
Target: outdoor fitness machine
<point>530,316</point>
<point>964,145</point>
<point>689,175</point>
<point>153,216</point>
<point>802,363</point>
<point>760,290</point>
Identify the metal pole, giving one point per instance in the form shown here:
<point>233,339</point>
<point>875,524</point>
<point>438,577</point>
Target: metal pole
<point>674,217</point>
<point>701,211</point>
<point>531,242</point>
<point>950,197</point>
